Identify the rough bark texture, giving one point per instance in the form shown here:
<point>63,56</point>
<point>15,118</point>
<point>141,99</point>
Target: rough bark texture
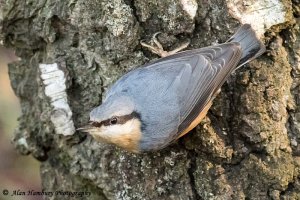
<point>247,148</point>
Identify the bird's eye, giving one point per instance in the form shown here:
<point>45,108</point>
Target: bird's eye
<point>113,120</point>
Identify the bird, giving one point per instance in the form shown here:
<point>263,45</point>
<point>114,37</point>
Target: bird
<point>152,106</point>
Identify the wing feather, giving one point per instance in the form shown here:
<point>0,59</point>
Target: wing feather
<point>219,62</point>
<point>206,70</point>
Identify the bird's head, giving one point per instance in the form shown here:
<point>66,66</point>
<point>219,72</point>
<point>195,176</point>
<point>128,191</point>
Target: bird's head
<point>116,122</point>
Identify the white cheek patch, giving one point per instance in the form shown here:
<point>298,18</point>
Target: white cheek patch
<point>113,129</point>
<point>118,129</point>
<point>125,135</point>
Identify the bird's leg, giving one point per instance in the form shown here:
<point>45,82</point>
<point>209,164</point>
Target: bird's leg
<point>159,50</point>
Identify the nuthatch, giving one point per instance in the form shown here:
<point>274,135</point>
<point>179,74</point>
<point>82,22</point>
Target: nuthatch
<point>153,105</point>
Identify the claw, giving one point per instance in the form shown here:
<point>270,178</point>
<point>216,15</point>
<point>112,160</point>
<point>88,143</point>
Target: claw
<point>158,48</point>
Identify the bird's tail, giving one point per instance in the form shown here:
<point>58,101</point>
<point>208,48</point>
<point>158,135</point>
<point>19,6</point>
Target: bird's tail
<point>251,46</point>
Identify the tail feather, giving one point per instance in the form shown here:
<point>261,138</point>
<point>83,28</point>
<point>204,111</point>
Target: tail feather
<point>251,46</point>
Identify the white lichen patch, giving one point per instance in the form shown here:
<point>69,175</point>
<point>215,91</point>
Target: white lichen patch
<point>22,142</point>
<point>55,88</point>
<point>261,14</point>
<point>190,7</point>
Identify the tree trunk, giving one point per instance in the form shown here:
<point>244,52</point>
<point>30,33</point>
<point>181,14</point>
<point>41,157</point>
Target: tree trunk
<point>246,148</point>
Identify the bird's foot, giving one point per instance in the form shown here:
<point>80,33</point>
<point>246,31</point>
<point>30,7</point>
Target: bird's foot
<point>159,50</point>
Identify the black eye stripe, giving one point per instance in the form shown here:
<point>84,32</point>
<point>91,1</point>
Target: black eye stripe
<point>119,120</point>
<point>96,124</point>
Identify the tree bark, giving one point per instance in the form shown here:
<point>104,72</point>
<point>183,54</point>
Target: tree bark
<point>246,148</point>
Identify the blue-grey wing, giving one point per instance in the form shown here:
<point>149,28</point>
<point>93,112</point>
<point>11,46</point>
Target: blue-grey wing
<point>204,72</point>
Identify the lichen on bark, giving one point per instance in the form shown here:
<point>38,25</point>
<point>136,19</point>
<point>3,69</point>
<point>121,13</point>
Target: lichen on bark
<point>247,147</point>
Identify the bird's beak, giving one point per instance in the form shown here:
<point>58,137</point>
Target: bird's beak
<point>85,128</point>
